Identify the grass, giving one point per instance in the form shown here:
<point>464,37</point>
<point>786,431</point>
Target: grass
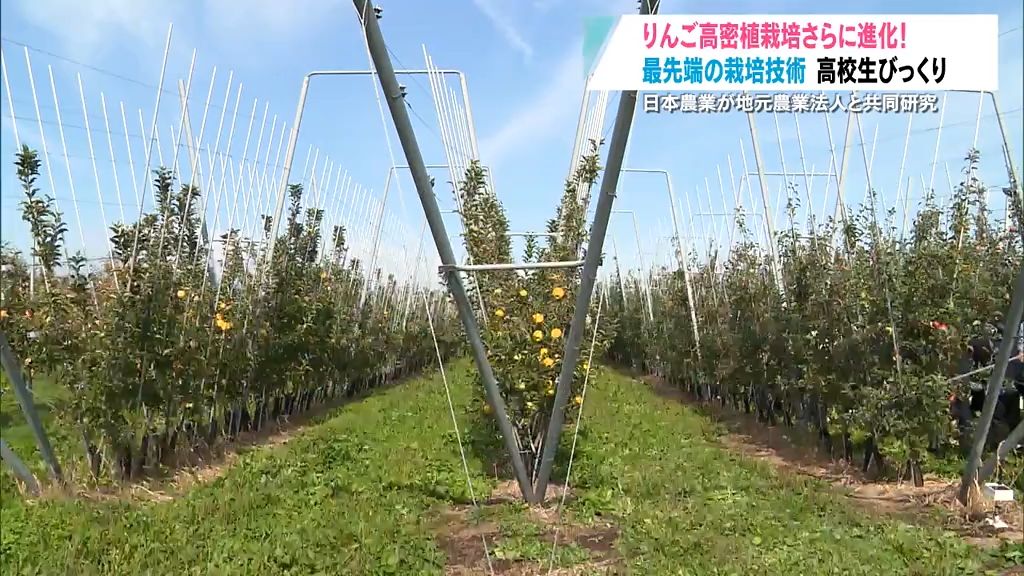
<point>16,431</point>
<point>683,501</point>
<point>14,428</point>
<point>364,492</point>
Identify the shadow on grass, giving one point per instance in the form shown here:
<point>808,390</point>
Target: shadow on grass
<point>198,461</point>
<point>484,442</point>
<point>46,397</point>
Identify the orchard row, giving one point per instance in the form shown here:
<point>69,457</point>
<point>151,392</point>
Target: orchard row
<point>173,346</point>
<point>857,333</point>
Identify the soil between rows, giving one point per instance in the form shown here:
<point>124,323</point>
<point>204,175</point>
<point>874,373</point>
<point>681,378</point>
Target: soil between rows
<point>796,451</point>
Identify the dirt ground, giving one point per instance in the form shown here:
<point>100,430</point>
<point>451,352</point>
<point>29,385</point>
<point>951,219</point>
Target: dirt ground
<point>797,452</point>
<point>786,449</point>
<point>469,545</point>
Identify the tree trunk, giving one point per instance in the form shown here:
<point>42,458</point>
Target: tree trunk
<point>913,472</point>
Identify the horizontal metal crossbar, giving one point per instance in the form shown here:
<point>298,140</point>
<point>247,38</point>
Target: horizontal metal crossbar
<point>513,266</point>
<point>796,173</point>
<point>548,234</point>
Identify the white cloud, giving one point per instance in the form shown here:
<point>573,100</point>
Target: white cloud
<point>1010,70</point>
<point>232,18</point>
<point>548,111</point>
<point>87,29</point>
<point>589,7</point>
<point>501,22</point>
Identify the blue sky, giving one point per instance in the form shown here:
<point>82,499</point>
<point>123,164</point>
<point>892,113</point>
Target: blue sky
<point>523,61</point>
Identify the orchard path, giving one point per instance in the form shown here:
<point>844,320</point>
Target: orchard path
<point>378,488</point>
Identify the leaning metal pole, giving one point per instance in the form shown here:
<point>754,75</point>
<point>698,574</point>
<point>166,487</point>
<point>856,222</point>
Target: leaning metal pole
<point>995,383</point>
<point>1015,188</point>
<point>407,137</point>
<point>1011,170</point>
<point>602,214</point>
<point>19,468</point>
<point>12,368</point>
<point>1008,445</point>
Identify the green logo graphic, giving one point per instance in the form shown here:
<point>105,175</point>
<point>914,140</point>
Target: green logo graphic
<point>596,30</point>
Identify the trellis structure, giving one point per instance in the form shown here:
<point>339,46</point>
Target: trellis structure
<point>627,104</point>
<point>237,181</point>
<point>837,176</point>
<point>255,186</point>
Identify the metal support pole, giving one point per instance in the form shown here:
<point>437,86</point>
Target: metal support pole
<point>770,232</point>
<point>605,200</point>
<point>392,173</point>
<point>995,383</point>
<point>580,129</point>
<point>534,234</point>
<point>1011,170</point>
<point>416,270</point>
<point>618,270</point>
<point>19,468</point>
<point>407,137</point>
<point>12,367</point>
<point>684,262</point>
<point>1002,451</point>
<point>378,226</point>
<point>640,260</point>
<point>787,174</point>
<point>294,136</point>
<point>469,114</point>
<point>721,191</point>
<point>512,266</point>
<point>843,170</point>
<point>286,171</point>
<point>643,269</point>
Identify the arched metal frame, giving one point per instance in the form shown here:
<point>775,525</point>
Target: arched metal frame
<point>627,105</point>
